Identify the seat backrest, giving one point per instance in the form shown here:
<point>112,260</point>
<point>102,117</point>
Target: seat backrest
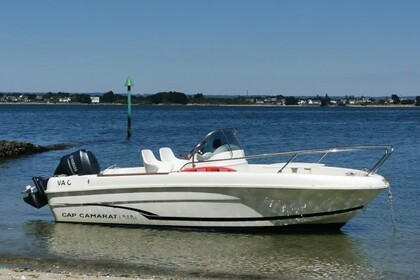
<point>166,155</point>
<point>151,164</point>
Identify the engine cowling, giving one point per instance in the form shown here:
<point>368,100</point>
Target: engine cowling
<point>81,162</point>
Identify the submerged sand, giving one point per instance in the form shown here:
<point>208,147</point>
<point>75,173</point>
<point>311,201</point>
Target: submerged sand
<point>22,274</point>
<point>17,268</point>
<point>26,269</point>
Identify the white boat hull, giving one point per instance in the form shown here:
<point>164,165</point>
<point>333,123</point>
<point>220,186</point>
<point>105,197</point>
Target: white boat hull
<point>216,201</point>
<point>215,186</point>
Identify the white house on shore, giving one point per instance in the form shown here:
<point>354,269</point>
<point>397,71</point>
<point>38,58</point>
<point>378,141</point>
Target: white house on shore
<point>64,99</point>
<point>94,99</point>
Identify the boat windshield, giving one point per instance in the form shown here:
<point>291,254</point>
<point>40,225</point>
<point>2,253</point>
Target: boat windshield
<point>217,141</point>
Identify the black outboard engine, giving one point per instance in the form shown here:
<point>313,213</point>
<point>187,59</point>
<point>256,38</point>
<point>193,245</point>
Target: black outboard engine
<point>81,162</point>
<point>36,195</point>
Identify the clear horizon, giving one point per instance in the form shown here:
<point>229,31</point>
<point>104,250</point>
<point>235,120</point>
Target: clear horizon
<point>290,48</point>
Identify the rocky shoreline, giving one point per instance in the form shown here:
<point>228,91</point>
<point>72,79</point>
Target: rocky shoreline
<point>15,149</point>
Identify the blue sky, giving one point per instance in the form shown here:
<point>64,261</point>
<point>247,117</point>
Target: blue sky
<point>334,47</point>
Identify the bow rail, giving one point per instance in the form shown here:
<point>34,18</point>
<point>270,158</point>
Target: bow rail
<point>387,151</point>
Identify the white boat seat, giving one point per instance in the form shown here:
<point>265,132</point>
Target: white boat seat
<point>167,155</point>
<point>153,165</point>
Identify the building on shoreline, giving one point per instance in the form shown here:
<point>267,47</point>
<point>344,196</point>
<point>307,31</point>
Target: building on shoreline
<point>200,99</point>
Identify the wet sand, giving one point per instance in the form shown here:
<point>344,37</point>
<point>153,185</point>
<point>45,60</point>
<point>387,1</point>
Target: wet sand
<point>20,274</point>
<point>25,269</point>
<point>12,268</point>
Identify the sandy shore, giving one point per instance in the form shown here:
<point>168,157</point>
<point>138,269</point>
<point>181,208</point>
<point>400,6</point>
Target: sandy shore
<point>26,269</point>
<point>59,273</point>
<point>22,274</point>
<point>18,268</point>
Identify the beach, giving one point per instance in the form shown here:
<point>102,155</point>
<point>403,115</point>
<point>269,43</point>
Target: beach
<point>20,274</point>
<point>15,268</point>
<point>21,268</point>
<point>57,269</point>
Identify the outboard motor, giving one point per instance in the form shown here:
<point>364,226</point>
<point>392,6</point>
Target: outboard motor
<point>81,162</point>
<point>36,195</point>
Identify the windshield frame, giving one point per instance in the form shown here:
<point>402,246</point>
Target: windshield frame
<point>227,137</point>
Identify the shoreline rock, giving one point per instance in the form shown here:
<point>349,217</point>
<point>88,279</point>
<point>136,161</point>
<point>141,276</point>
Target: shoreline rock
<point>15,149</point>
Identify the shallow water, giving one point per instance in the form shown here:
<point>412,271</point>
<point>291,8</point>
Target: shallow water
<point>366,248</point>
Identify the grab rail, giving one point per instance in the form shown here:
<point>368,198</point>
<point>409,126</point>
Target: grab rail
<point>388,150</point>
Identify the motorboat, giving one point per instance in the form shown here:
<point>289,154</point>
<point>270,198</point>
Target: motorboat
<point>215,186</point>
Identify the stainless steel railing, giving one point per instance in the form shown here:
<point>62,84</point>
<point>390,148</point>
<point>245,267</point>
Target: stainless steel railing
<point>387,150</point>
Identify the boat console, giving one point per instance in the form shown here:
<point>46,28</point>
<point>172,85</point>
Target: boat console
<point>219,147</point>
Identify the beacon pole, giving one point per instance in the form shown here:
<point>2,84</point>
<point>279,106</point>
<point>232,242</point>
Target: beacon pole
<point>129,84</point>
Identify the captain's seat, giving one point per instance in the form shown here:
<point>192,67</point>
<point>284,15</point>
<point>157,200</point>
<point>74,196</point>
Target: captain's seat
<point>166,155</point>
<point>153,165</point>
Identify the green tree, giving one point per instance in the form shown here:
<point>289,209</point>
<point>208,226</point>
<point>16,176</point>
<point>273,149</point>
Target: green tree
<point>31,96</point>
<point>291,100</point>
<point>326,100</point>
<point>81,98</point>
<point>407,102</point>
<point>108,97</point>
<point>198,98</point>
<point>49,96</point>
<point>171,97</point>
<point>395,99</point>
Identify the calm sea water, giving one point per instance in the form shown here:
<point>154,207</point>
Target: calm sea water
<point>367,247</point>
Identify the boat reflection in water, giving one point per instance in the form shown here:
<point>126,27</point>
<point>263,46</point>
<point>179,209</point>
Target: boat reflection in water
<point>300,256</point>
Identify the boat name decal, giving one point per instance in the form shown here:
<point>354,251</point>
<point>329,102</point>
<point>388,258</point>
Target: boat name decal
<point>99,216</point>
<point>63,183</point>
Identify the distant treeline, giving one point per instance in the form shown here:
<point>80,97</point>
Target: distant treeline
<point>174,97</point>
<point>171,97</point>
